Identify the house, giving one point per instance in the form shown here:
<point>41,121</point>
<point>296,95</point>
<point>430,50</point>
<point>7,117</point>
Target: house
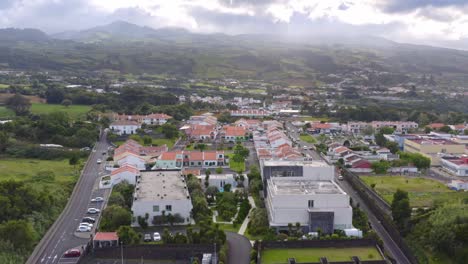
<point>234,133</point>
<point>398,126</point>
<point>435,126</point>
<point>249,124</point>
<point>361,165</point>
<point>356,127</point>
<point>432,147</point>
<point>201,132</point>
<point>458,185</point>
<point>255,113</point>
<point>220,180</point>
<point>204,120</point>
<point>197,159</point>
<point>105,239</point>
<point>131,159</point>
<point>455,165</point>
<point>156,119</point>
<point>304,192</point>
<point>124,127</point>
<point>159,194</point>
<point>126,172</point>
<point>320,128</point>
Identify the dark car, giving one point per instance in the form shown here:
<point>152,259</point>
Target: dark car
<point>88,220</point>
<point>72,253</point>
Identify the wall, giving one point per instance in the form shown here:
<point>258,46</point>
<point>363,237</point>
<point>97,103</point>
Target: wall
<point>141,207</point>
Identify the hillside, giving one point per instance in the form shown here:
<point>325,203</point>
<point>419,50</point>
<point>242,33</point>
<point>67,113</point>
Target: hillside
<point>129,48</point>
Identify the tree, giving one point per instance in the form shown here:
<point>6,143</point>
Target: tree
<point>4,141</point>
<point>54,95</point>
<point>19,232</point>
<point>211,191</point>
<point>19,104</point>
<point>401,210</point>
<point>128,236</point>
<point>227,187</point>
<point>445,129</point>
<point>346,143</point>
<point>147,140</point>
<point>169,130</point>
<point>115,216</point>
<point>392,146</point>
<point>218,170</point>
<point>73,161</point>
<point>380,167</point>
<point>66,102</point>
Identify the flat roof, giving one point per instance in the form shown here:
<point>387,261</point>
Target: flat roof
<point>304,163</point>
<point>161,185</point>
<point>432,141</point>
<point>304,187</point>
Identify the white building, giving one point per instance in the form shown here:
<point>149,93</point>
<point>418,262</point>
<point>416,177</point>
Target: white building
<point>220,180</point>
<point>159,193</point>
<point>458,185</point>
<point>124,127</point>
<point>314,204</point>
<point>126,172</point>
<point>455,165</point>
<point>132,159</point>
<point>304,192</point>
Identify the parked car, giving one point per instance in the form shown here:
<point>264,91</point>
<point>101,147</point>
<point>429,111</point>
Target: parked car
<point>156,236</point>
<point>93,211</point>
<point>99,161</point>
<point>83,229</point>
<point>72,253</point>
<point>340,178</point>
<point>86,224</point>
<point>147,238</point>
<point>88,220</point>
<point>97,199</point>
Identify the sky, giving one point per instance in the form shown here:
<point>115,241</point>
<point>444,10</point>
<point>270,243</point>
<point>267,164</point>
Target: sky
<point>435,22</point>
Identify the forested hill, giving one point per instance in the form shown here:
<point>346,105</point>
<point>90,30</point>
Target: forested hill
<point>129,48</point>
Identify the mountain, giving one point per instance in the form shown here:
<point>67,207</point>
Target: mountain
<point>119,30</point>
<point>28,34</point>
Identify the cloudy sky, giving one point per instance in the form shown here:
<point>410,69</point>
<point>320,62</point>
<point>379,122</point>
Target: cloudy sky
<point>435,22</point>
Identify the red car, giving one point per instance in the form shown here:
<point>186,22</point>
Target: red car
<point>72,253</point>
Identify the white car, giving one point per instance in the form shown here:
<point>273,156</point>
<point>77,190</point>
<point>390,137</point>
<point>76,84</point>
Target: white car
<point>97,199</point>
<point>86,224</point>
<point>156,236</point>
<point>83,229</point>
<point>99,161</point>
<point>93,211</point>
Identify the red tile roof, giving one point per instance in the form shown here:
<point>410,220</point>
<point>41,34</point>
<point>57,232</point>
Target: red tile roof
<point>436,125</point>
<point>106,236</point>
<point>126,167</point>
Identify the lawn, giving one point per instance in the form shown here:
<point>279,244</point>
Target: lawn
<point>422,192</point>
<point>273,256</point>
<point>308,138</point>
<point>311,118</point>
<point>4,86</point>
<point>5,112</point>
<point>228,227</point>
<point>25,169</point>
<point>162,141</point>
<point>236,166</point>
<point>74,111</point>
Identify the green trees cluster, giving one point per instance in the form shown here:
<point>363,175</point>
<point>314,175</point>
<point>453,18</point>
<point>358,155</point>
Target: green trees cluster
<point>117,212</point>
<point>19,104</point>
<point>240,153</point>
<point>258,224</point>
<point>200,210</point>
<point>226,205</point>
<point>381,166</point>
<point>244,209</point>
<point>255,181</point>
<point>401,210</point>
<point>421,162</point>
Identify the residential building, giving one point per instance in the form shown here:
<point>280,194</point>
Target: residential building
<point>398,126</point>
<point>105,239</point>
<point>131,159</point>
<point>250,113</point>
<point>456,165</point>
<point>249,124</point>
<point>234,133</point>
<point>206,120</point>
<point>126,172</point>
<point>196,159</point>
<point>160,193</point>
<point>357,127</point>
<point>432,147</point>
<point>156,119</point>
<point>304,192</point>
<point>124,127</point>
<point>220,180</point>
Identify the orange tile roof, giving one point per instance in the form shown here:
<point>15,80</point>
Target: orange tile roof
<point>106,236</point>
<point>125,167</point>
<point>168,156</point>
<point>196,155</point>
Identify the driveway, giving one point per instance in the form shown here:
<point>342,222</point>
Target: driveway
<point>239,249</point>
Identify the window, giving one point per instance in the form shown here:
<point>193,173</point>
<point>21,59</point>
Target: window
<point>199,163</point>
<point>311,203</point>
<point>168,208</point>
<point>155,208</point>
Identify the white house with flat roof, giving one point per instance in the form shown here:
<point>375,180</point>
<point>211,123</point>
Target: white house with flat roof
<point>160,193</point>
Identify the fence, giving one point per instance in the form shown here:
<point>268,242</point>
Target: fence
<point>155,252</point>
<point>367,196</point>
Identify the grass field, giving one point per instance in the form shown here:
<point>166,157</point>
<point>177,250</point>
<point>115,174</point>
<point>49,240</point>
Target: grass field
<point>277,256</point>
<point>162,141</point>
<point>308,138</point>
<point>25,169</point>
<point>422,192</point>
<point>228,227</point>
<point>311,118</point>
<point>236,166</point>
<point>74,111</point>
<point>5,112</point>
<point>4,86</point>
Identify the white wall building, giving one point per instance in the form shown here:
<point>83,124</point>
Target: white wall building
<point>124,127</point>
<point>132,159</point>
<point>220,180</point>
<point>161,191</point>
<point>126,172</point>
<point>455,165</point>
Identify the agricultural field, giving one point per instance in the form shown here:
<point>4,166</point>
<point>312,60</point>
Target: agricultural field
<point>5,112</point>
<point>422,192</point>
<point>74,111</point>
<point>279,256</point>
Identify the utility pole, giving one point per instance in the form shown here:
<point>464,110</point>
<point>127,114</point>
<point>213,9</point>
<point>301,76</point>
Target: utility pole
<point>121,251</point>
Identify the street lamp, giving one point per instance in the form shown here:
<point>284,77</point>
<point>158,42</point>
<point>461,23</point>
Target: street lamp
<point>121,251</point>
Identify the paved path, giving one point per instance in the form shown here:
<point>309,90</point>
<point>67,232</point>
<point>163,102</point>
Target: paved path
<point>239,249</point>
<point>247,219</point>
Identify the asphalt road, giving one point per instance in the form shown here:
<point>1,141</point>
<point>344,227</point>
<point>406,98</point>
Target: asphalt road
<point>61,236</point>
<point>239,248</point>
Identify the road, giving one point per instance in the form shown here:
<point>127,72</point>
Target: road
<point>239,248</point>
<point>61,236</point>
<point>390,246</point>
